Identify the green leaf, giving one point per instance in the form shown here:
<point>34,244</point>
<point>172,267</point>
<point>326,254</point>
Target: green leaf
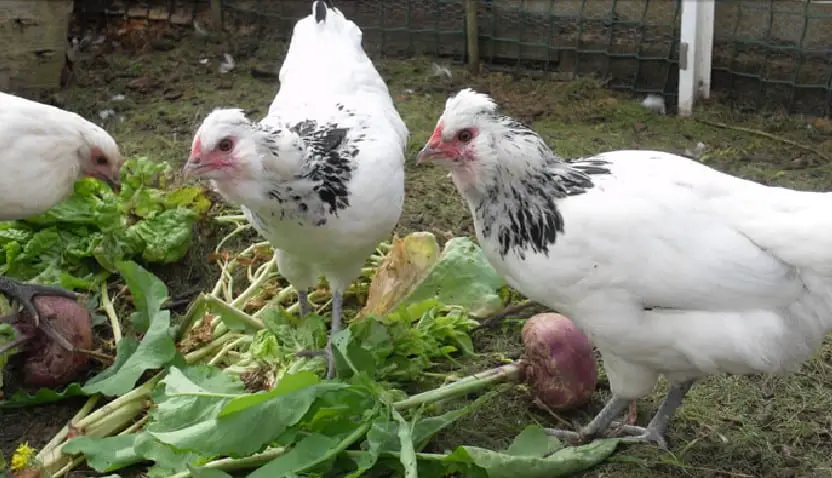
<point>533,441</point>
<point>107,453</point>
<point>427,428</point>
<point>149,293</point>
<point>157,347</point>
<point>174,411</point>
<point>381,431</point>
<point>462,276</point>
<point>44,395</point>
<point>310,451</point>
<point>288,384</point>
<point>313,450</point>
<point>166,236</point>
<point>167,460</point>
<point>207,472</point>
<point>191,197</point>
<point>125,349</point>
<point>232,433</point>
<point>407,452</point>
<point>564,462</point>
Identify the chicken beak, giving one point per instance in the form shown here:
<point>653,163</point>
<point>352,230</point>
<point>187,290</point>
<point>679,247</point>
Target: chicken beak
<point>114,184</point>
<point>428,154</point>
<point>191,167</point>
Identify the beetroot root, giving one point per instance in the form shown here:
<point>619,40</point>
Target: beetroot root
<point>560,363</point>
<point>44,362</point>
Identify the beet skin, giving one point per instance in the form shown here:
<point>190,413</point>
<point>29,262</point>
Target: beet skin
<point>44,362</point>
<point>560,363</point>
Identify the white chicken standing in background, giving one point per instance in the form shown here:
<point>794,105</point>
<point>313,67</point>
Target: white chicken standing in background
<point>671,268</point>
<point>321,177</point>
<point>46,149</point>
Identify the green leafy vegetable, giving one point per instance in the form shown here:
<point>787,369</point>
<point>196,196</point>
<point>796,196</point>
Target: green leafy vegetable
<point>105,454</point>
<point>462,277</point>
<point>42,396</point>
<point>232,394</point>
<point>78,242</point>
<point>524,459</point>
<point>157,347</point>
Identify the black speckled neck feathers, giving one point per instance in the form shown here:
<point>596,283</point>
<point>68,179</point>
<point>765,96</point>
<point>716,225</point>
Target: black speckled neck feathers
<point>321,186</point>
<point>520,212</point>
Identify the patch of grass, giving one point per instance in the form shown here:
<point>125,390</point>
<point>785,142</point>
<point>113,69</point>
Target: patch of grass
<point>726,427</point>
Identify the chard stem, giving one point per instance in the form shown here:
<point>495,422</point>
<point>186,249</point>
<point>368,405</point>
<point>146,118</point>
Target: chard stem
<point>73,462</point>
<point>240,228</point>
<point>117,420</point>
<point>227,348</point>
<point>255,286</point>
<point>252,461</point>
<point>111,313</point>
<point>207,394</point>
<point>230,218</point>
<point>138,393</point>
<point>208,348</point>
<point>471,383</point>
<point>59,437</point>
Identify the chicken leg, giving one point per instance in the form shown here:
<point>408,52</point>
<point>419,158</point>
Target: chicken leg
<point>653,433</point>
<point>23,294</point>
<point>337,303</point>
<point>303,303</point>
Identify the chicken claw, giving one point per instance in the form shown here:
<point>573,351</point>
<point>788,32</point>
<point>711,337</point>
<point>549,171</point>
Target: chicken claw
<point>24,294</point>
<point>14,343</point>
<point>603,425</point>
<point>637,434</point>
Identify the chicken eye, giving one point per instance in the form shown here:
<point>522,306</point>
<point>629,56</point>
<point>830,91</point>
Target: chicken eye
<point>225,145</point>
<point>101,160</point>
<point>464,135</point>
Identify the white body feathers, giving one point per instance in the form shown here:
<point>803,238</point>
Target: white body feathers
<point>42,154</point>
<point>738,275</point>
<point>328,79</point>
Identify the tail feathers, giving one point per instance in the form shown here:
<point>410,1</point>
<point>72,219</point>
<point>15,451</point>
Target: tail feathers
<point>319,10</point>
<point>325,55</point>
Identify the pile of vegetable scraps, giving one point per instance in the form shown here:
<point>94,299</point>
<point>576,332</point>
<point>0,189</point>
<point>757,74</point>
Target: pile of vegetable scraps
<point>76,245</point>
<point>183,400</point>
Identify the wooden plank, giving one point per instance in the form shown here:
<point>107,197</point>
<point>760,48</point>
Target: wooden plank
<point>34,35</point>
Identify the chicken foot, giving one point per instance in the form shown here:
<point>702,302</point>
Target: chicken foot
<point>604,424</point>
<point>23,294</point>
<point>21,338</point>
<point>337,303</point>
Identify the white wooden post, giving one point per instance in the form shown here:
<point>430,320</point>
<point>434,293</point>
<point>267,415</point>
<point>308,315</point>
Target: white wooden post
<point>695,49</point>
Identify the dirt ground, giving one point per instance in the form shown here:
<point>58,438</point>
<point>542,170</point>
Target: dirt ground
<point>728,427</point>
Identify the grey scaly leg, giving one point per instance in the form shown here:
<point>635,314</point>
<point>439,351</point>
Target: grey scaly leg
<point>303,303</point>
<point>614,408</point>
<point>337,301</point>
<point>657,428</point>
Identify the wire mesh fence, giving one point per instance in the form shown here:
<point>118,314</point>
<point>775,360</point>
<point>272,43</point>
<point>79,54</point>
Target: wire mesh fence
<point>768,54</point>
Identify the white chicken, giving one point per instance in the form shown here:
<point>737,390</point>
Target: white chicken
<point>46,149</point>
<point>321,177</point>
<point>671,268</point>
